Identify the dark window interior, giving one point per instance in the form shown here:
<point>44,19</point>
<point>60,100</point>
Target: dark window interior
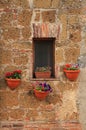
<point>44,49</point>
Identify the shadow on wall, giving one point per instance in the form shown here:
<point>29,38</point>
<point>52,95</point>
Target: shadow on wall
<point>82,61</point>
<point>81,99</point>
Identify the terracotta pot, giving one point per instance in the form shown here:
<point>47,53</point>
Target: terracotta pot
<point>43,74</point>
<point>41,94</point>
<point>72,74</point>
<point>13,83</point>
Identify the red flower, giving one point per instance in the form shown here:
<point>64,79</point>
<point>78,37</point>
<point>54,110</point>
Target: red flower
<point>8,74</point>
<point>68,65</point>
<point>14,74</point>
<point>17,71</point>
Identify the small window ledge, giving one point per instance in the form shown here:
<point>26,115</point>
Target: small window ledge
<point>44,79</point>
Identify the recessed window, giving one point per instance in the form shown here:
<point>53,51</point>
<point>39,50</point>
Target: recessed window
<point>44,54</point>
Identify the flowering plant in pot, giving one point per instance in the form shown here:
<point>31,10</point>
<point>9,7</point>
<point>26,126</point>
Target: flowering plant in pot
<point>43,72</point>
<point>13,78</point>
<point>72,71</point>
<point>41,90</point>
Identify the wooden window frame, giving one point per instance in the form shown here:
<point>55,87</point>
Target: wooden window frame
<point>53,42</point>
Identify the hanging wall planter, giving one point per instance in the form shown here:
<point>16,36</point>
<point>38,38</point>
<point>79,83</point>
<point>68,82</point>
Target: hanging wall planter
<point>72,74</point>
<point>41,90</point>
<point>13,83</point>
<point>40,94</point>
<point>13,79</point>
<point>71,71</point>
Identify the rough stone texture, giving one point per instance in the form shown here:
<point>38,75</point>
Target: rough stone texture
<point>59,110</point>
<point>16,114</point>
<point>81,98</point>
<point>8,99</point>
<point>75,33</point>
<point>82,61</point>
<point>71,54</point>
<point>11,33</point>
<point>5,57</point>
<point>23,3</point>
<point>42,4</point>
<point>37,17</point>
<point>6,19</point>
<point>63,19</point>
<point>48,16</point>
<point>26,33</point>
<point>55,3</point>
<point>59,55</point>
<point>24,18</point>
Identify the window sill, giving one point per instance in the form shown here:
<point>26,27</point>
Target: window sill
<point>44,79</point>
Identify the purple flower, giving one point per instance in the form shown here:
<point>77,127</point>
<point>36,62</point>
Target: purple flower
<point>44,87</point>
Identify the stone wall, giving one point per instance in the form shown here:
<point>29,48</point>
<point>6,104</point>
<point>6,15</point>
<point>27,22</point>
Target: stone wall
<point>19,109</point>
<point>82,61</point>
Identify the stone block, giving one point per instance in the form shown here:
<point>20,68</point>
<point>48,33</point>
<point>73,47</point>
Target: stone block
<point>8,99</point>
<point>75,33</point>
<point>41,115</point>
<point>4,3</point>
<point>27,100</point>
<point>6,57</point>
<point>21,3</point>
<point>59,55</point>
<point>11,33</point>
<point>48,16</point>
<point>63,20</point>
<point>73,19</point>
<point>22,60</point>
<point>26,32</point>
<point>71,54</point>
<point>42,4</point>
<point>6,19</point>
<point>24,18</point>
<point>37,17</point>
<point>55,3</point>
<point>10,68</point>
<point>16,114</point>
<point>71,6</point>
<point>74,11</point>
<point>22,47</point>
<point>4,115</point>
<point>68,106</point>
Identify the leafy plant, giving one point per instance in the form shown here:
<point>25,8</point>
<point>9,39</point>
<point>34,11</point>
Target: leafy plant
<point>43,69</point>
<point>71,67</point>
<point>43,87</point>
<point>14,74</point>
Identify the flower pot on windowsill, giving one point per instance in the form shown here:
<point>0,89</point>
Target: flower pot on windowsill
<point>13,83</point>
<point>46,74</point>
<point>43,72</point>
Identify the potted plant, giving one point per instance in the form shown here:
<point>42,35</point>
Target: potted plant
<point>41,90</point>
<point>43,72</point>
<point>72,71</point>
<point>13,78</point>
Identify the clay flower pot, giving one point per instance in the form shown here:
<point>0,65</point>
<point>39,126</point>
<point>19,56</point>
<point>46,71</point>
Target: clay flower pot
<point>43,74</point>
<point>13,78</point>
<point>72,75</point>
<point>41,94</point>
<point>41,90</point>
<point>13,83</point>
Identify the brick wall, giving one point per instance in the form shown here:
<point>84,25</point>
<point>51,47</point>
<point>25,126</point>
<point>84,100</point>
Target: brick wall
<point>16,32</point>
